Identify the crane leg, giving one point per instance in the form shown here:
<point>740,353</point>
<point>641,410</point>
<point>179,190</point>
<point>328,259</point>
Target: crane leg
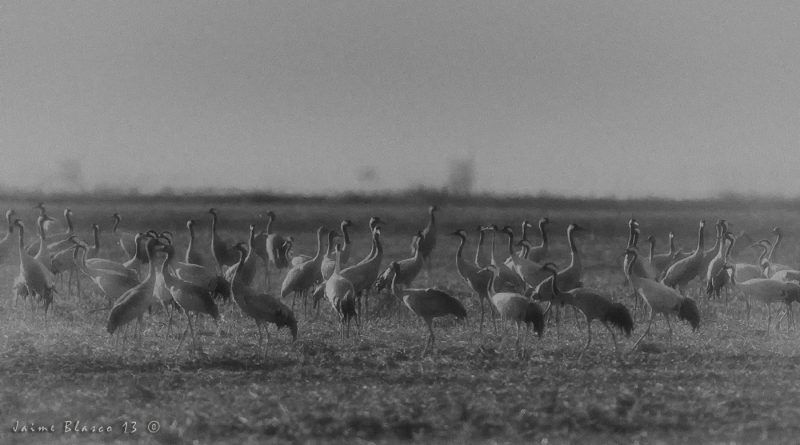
<point>669,327</point>
<point>646,331</point>
<point>266,342</point>
<point>480,327</point>
<point>191,330</point>
<point>769,317</point>
<point>588,339</point>
<point>614,339</point>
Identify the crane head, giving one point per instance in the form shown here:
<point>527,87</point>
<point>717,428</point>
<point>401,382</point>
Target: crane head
<point>526,223</point>
<point>508,230</point>
<point>347,223</point>
<point>544,221</point>
<point>651,238</point>
<point>190,223</point>
<point>433,208</point>
<point>460,233</point>
<point>776,230</point>
<point>10,213</point>
<point>270,214</point>
<point>96,227</point>
<point>116,217</point>
<point>550,267</point>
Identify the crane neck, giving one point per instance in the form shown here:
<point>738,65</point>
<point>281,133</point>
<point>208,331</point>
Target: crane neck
<point>337,265</point>
<point>329,251</point>
<point>270,220</point>
<point>543,233</point>
<point>116,224</point>
<point>461,242</point>
<point>700,240</point>
<point>345,234</point>
<point>96,234</point>
<point>493,260</point>
<point>778,239</point>
<point>524,231</point>
<point>21,241</point>
<point>10,223</point>
<point>652,248</point>
<point>190,246</point>
<point>151,265</point>
<point>511,246</point>
<point>318,255</point>
<point>556,291</point>
<point>728,251</point>
<point>671,246</point>
<point>68,219</point>
<point>479,249</point>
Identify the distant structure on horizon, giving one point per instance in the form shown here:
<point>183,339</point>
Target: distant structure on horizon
<point>461,176</point>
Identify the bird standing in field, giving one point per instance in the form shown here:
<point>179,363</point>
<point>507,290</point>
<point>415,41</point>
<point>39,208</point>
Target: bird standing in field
<point>428,241</point>
<point>364,274</point>
<point>342,295</point>
<point>538,253</point>
<point>593,306</point>
<point>661,262</point>
<point>409,269</point>
<point>716,276</point>
<point>661,299</point>
<point>34,280</point>
<point>192,299</point>
<point>515,307</point>
<point>277,248</point>
<point>766,291</point>
<point>683,271</point>
<point>248,273</point>
<point>220,248</point>
<point>8,243</point>
<point>125,240</point>
<point>506,278</point>
<point>133,303</point>
<point>328,263</point>
<point>477,281</point>
<point>347,246</point>
<point>302,277</point>
<point>428,304</point>
<point>262,307</point>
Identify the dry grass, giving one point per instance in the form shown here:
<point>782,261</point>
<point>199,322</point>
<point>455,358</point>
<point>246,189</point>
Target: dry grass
<point>727,382</point>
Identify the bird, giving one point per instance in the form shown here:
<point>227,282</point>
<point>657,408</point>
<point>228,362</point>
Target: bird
<point>715,266</point>
<point>721,228</point>
<point>374,222</point>
<point>682,271</point>
<point>248,273</point>
<point>568,278</point>
<point>593,306</point>
<point>300,278</point>
<point>530,271</point>
<point>43,255</point>
<point>507,278</point>
<point>262,307</point>
<point>58,241</point>
<point>747,271</point>
<point>482,259</point>
<point>220,248</point>
<point>524,244</point>
<point>428,241</point>
<point>191,299</point>
<point>111,284</point>
<point>94,250</point>
<point>774,266</point>
<point>277,249</point>
<point>8,243</point>
<point>661,262</point>
<point>662,299</point>
<point>192,256</point>
<point>34,279</point>
<point>640,269</point>
<point>328,263</point>
<point>364,274</point>
<point>766,291</point>
<point>347,247</point>
<point>134,302</point>
<point>341,295</point>
<point>427,304</point>
<point>538,253</point>
<point>409,269</point>
<point>125,240</point>
<point>514,306</point>
<point>470,273</point>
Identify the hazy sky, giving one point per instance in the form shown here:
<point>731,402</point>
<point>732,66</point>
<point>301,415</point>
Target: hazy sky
<point>589,97</point>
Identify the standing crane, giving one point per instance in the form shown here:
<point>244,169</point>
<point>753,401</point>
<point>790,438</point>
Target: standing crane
<point>303,276</point>
<point>222,250</point>
<point>409,268</point>
<point>481,258</point>
<point>347,246</point>
<point>428,241</point>
<point>717,275</point>
<point>538,253</point>
<point>342,295</point>
<point>248,273</point>
<point>35,279</point>
<point>530,272</point>
<point>661,262</point>
<point>514,307</point>
<point>506,279</point>
<point>683,271</point>
<point>662,299</point>
<point>125,240</point>
<point>593,306</point>
<point>329,260</point>
<point>766,291</point>
<point>471,274</point>
<point>262,307</point>
<point>132,304</point>
<point>8,243</point>
<point>364,274</point>
<point>277,248</point>
<point>428,304</point>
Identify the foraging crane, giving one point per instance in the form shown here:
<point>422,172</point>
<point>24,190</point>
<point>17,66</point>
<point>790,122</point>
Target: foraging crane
<point>662,299</point>
<point>303,276</point>
<point>223,253</point>
<point>125,240</point>
<point>191,299</point>
<point>515,307</point>
<point>34,279</point>
<point>134,302</point>
<point>766,291</point>
<point>427,304</point>
<point>262,307</point>
<point>593,306</point>
<point>409,269</point>
<point>471,274</point>
<point>341,294</point>
<point>682,271</point>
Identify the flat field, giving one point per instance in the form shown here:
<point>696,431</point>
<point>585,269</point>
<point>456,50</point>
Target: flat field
<point>727,382</point>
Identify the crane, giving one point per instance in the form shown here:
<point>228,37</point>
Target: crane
<point>530,272</point>
<point>329,260</point>
<point>514,307</point>
<point>34,279</point>
<point>262,307</point>
<point>471,274</point>
<point>538,253</point>
<point>248,273</point>
<point>8,243</point>
<point>427,304</point>
<point>481,258</point>
<point>766,291</point>
<point>409,268</point>
<point>364,274</point>
<point>303,276</point>
<point>277,248</point>
<point>220,248</point>
<point>593,306</point>
<point>125,240</point>
<point>662,299</point>
<point>347,245</point>
<point>682,271</point>
<point>341,294</point>
<point>428,241</point>
<point>507,279</point>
